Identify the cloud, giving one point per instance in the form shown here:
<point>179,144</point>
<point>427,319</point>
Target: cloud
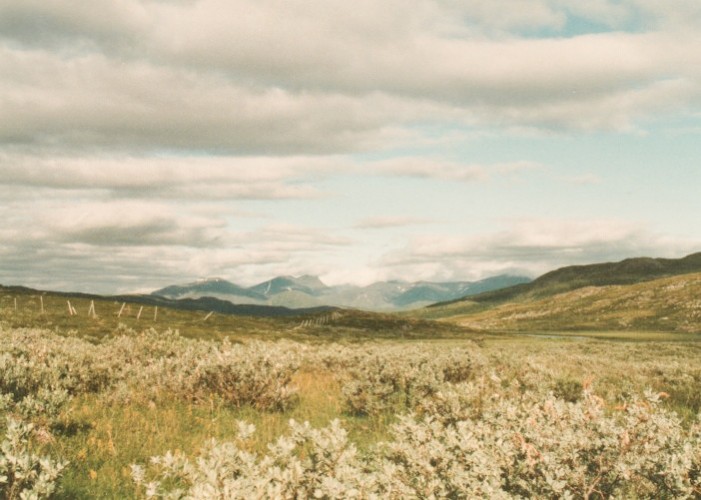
<point>209,177</point>
<point>117,223</point>
<point>258,78</point>
<point>531,246</point>
<point>387,222</point>
<point>507,15</point>
<point>108,224</point>
<point>95,103</point>
<point>432,168</point>
<point>132,131</point>
<point>122,246</point>
<point>584,180</point>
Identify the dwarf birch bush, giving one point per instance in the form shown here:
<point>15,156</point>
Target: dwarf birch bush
<point>44,359</point>
<point>402,376</point>
<point>499,422</point>
<point>305,463</point>
<point>548,449</point>
<point>39,370</point>
<point>532,448</point>
<point>24,474</point>
<point>257,374</point>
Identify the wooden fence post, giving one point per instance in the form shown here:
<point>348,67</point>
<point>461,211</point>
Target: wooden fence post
<point>208,316</point>
<point>41,301</point>
<point>138,316</point>
<point>121,309</point>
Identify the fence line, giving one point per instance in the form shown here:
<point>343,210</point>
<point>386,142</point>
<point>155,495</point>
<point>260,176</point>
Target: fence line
<point>320,320</point>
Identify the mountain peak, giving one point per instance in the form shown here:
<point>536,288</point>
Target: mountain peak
<point>309,284</point>
<point>212,287</point>
<point>202,281</point>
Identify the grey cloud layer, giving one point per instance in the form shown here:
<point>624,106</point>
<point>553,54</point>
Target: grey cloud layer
<point>121,119</point>
<point>126,245</point>
<point>250,77</point>
<point>204,178</point>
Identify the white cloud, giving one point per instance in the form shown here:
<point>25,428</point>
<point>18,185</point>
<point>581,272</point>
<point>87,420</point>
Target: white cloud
<point>434,168</point>
<point>254,77</point>
<point>584,179</point>
<point>209,177</point>
<point>386,222</point>
<point>117,223</point>
<point>95,103</point>
<point>119,245</point>
<point>430,168</point>
<point>531,246</point>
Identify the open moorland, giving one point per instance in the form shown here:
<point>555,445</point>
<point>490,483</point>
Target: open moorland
<point>107,398</point>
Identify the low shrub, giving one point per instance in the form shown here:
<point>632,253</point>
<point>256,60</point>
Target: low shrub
<point>23,473</point>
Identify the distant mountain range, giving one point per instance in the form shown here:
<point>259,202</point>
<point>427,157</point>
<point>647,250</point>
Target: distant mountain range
<point>638,294</point>
<point>309,291</point>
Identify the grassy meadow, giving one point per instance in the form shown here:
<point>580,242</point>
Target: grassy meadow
<point>133,389</point>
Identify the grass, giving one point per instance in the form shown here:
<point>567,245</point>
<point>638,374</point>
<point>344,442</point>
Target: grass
<point>623,336</point>
<point>627,272</point>
<point>664,305</point>
<point>101,440</point>
<point>320,327</point>
<point>55,317</point>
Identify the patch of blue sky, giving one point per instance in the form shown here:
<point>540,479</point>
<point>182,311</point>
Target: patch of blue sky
<point>578,25</point>
<point>650,177</point>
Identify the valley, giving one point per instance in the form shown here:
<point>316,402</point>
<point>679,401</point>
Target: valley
<point>121,396</point>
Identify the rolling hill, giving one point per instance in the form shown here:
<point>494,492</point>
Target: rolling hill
<point>667,304</point>
<point>634,294</point>
<point>626,272</point>
<point>96,316</point>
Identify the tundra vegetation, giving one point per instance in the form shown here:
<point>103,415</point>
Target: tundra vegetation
<point>144,412</point>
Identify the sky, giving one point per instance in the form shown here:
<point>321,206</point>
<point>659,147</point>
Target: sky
<point>150,142</point>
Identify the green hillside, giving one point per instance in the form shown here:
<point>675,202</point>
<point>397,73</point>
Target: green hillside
<point>667,304</point>
<point>626,272</point>
<point>26,308</point>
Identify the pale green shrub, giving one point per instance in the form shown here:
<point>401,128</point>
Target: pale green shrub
<point>44,359</point>
<point>516,448</point>
<point>23,474</point>
<point>25,390</point>
<point>548,449</point>
<point>257,374</point>
<point>305,463</point>
<point>39,370</point>
<point>401,376</point>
